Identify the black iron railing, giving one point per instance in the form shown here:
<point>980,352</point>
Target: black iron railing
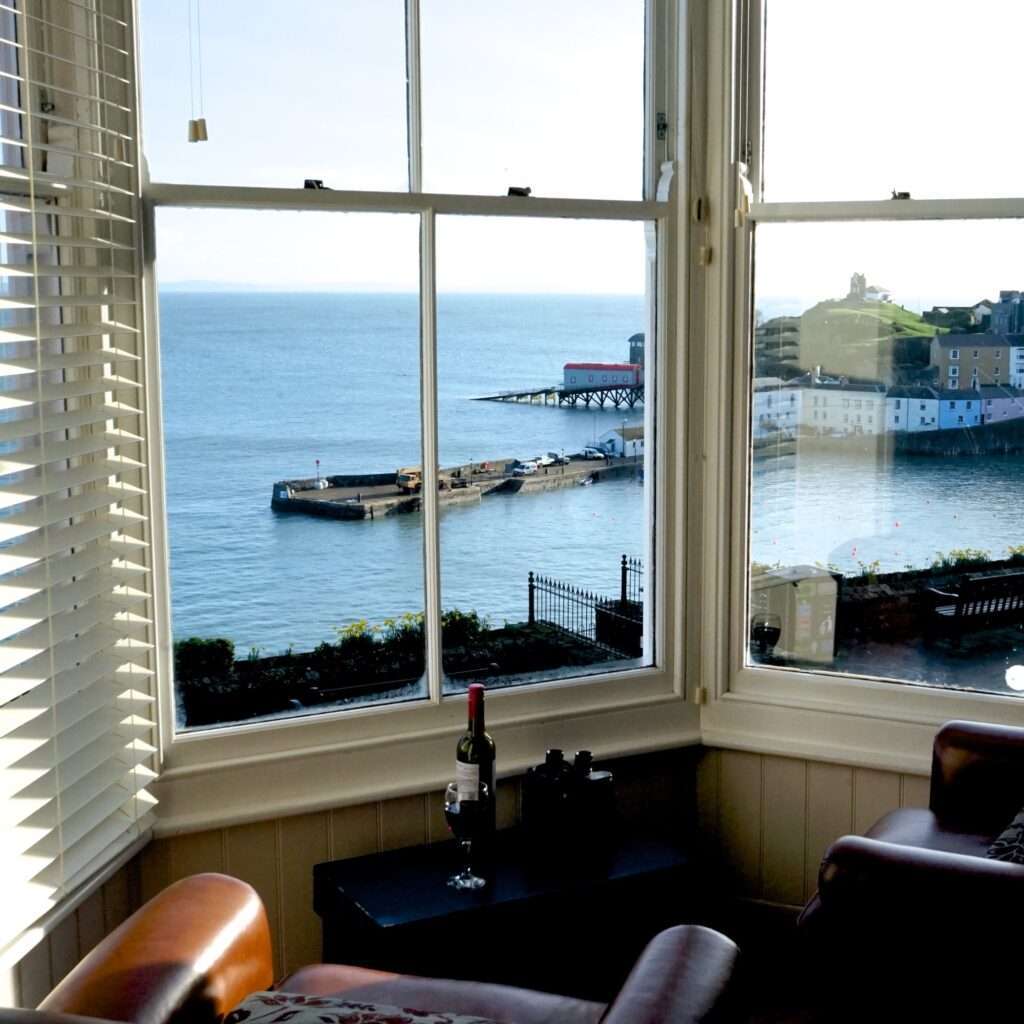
<point>612,624</point>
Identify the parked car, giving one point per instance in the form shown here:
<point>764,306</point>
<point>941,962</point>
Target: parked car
<point>594,453</point>
<point>525,469</point>
<point>558,460</point>
<point>544,460</point>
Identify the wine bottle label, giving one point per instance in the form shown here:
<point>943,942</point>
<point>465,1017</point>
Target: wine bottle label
<point>467,778</point>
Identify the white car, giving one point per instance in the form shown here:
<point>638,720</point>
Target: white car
<point>594,453</point>
<point>545,460</point>
<point>525,469</point>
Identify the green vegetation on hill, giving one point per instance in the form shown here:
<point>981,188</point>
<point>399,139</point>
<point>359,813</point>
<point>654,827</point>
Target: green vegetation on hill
<point>851,337</point>
<point>886,317</point>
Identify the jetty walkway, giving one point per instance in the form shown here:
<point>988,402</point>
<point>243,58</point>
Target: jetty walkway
<point>373,495</point>
<point>617,395</point>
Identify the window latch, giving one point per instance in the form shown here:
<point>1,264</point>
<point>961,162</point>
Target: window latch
<point>660,126</point>
<point>744,195</point>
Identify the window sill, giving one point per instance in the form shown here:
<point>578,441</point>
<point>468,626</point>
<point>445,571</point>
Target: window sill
<point>253,773</point>
<point>857,722</point>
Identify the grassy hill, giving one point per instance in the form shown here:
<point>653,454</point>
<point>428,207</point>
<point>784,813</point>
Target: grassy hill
<point>885,317</point>
<point>855,338</point>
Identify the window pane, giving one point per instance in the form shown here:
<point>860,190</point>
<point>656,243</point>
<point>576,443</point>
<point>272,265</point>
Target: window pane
<point>539,95</point>
<point>290,362</point>
<point>887,472</point>
<point>864,99</point>
<point>545,525</point>
<point>316,92</point>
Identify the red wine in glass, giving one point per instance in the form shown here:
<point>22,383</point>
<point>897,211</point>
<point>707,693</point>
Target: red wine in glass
<point>467,819</point>
<point>765,631</point>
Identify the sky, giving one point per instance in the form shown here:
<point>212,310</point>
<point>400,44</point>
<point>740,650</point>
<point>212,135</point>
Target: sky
<point>918,95</point>
<point>323,96</point>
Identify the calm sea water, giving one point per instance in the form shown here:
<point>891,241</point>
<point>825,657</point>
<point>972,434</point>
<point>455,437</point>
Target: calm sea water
<point>258,386</point>
<point>850,510</point>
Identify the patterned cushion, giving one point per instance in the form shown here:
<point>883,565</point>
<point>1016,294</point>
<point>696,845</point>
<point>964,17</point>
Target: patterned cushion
<point>278,1007</point>
<point>1010,843</point>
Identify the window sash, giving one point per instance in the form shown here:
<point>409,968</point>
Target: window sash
<point>780,698</point>
<point>661,79</point>
<point>428,206</point>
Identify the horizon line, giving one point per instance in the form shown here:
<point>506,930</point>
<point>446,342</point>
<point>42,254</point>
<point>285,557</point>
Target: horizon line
<point>205,288</point>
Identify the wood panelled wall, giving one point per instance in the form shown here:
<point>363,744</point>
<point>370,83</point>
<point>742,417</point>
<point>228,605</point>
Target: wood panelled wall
<point>768,820</point>
<point>277,857</point>
<point>48,962</point>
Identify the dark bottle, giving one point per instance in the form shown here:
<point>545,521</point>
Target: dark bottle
<point>594,800</point>
<point>547,791</point>
<point>474,756</point>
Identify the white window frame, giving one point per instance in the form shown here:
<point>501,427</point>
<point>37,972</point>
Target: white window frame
<point>215,778</point>
<point>839,719</point>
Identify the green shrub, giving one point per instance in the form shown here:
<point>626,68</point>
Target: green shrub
<point>403,636</point>
<point>357,639</point>
<point>203,658</point>
<point>960,558</point>
<point>460,629</point>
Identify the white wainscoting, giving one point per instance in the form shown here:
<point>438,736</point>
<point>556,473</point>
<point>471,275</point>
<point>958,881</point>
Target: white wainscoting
<point>768,820</point>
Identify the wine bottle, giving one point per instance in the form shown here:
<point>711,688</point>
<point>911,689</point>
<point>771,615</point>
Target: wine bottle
<point>474,755</point>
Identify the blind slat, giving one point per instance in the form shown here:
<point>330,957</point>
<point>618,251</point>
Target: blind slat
<point>28,426</point>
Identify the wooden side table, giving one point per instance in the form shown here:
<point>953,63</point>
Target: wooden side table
<point>575,928</point>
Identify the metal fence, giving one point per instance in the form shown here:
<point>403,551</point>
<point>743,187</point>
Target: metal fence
<point>632,582</point>
<point>613,624</point>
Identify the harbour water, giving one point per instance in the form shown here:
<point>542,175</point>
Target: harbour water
<point>257,386</point>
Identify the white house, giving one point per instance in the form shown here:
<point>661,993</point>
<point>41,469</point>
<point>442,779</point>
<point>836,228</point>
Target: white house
<point>622,441</point>
<point>911,409</point>
<point>838,409</point>
<point>775,409</point>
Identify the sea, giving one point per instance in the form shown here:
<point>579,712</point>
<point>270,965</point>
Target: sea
<point>265,386</point>
<point>258,387</point>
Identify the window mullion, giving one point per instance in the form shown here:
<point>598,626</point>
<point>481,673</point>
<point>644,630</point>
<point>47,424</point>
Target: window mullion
<point>413,102</point>
<point>428,404</point>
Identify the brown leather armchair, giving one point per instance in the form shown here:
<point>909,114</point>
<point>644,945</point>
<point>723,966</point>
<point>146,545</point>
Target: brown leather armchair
<point>202,945</point>
<point>915,904</point>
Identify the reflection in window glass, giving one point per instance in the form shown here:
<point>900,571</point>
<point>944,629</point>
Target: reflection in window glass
<point>907,101</point>
<point>543,95</point>
<point>290,369</point>
<point>888,542</point>
<point>545,476</point>
<point>314,92</point>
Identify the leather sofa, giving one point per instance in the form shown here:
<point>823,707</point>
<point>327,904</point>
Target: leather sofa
<point>914,907</point>
<point>196,950</point>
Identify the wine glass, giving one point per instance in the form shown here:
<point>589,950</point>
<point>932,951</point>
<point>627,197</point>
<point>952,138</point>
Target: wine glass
<point>467,815</point>
<point>765,631</point>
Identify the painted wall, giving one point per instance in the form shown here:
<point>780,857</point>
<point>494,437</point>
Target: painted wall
<point>768,820</point>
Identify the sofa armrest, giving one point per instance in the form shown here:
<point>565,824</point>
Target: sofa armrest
<point>683,975</point>
<point>191,953</point>
<point>871,881</point>
<point>977,781</point>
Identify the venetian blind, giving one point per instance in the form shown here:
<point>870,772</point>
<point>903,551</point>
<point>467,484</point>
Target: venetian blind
<point>76,694</point>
